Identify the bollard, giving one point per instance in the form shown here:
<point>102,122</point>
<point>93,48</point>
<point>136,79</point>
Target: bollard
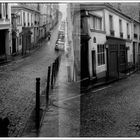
<point>57,65</point>
<point>48,85</point>
<point>54,70</point>
<point>52,76</point>
<point>37,103</point>
<point>4,127</point>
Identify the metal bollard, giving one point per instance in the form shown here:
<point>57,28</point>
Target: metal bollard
<point>37,103</point>
<point>48,85</point>
<point>52,76</point>
<point>4,127</point>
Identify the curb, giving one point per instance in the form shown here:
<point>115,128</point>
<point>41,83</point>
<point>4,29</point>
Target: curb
<point>101,84</point>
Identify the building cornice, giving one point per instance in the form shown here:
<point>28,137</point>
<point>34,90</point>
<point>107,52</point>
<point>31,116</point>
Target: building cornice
<point>23,8</point>
<point>102,6</point>
<point>97,31</point>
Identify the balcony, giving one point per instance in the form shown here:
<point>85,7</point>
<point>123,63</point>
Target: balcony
<point>135,36</point>
<point>121,34</point>
<point>112,33</point>
<point>128,36</point>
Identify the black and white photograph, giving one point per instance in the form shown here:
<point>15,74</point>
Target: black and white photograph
<point>70,69</point>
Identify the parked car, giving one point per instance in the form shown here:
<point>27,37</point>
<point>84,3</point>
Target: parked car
<point>60,45</point>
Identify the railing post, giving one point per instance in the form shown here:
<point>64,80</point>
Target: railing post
<point>37,103</point>
<point>48,85</point>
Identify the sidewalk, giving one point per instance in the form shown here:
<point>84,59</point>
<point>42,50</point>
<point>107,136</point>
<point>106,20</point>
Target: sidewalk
<point>63,116</point>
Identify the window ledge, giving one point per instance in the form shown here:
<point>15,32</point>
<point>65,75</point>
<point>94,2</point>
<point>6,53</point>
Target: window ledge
<point>7,19</point>
<point>98,31</point>
<point>2,19</point>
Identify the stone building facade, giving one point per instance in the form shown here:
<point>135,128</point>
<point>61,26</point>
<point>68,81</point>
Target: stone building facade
<point>5,31</point>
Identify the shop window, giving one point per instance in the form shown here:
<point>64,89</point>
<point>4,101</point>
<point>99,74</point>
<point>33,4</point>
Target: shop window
<point>101,54</point>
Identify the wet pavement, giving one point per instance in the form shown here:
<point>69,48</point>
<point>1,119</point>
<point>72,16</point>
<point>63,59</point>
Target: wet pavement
<point>17,84</point>
<point>63,116</point>
<point>113,111</point>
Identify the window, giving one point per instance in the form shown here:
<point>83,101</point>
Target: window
<point>111,22</point>
<point>101,54</point>
<point>24,18</point>
<point>120,25</point>
<point>6,10</point>
<point>135,28</point>
<point>20,40</point>
<point>128,29</point>
<point>97,23</point>
<point>18,20</point>
<point>31,18</point>
<point>0,10</point>
<point>28,19</point>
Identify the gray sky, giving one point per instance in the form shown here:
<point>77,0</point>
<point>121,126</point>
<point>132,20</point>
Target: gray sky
<point>63,8</point>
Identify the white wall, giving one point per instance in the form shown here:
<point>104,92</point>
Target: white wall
<point>116,25</point>
<point>100,39</point>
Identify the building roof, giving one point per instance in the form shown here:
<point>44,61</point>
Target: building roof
<point>99,6</point>
<point>24,7</point>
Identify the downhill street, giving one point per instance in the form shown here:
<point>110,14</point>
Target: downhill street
<point>17,84</point>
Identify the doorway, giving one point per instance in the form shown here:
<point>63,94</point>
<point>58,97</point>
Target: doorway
<point>93,63</point>
<point>2,44</point>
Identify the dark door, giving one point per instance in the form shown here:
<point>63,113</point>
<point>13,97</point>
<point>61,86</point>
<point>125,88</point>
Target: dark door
<point>93,63</point>
<point>113,69</point>
<point>84,60</point>
<point>14,45</point>
<point>133,52</point>
<point>122,58</point>
<point>2,42</point>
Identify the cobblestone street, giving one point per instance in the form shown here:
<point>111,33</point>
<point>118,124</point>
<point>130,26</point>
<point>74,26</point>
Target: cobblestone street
<point>113,111</point>
<point>17,84</point>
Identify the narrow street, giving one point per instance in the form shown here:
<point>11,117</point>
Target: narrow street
<point>17,88</point>
<point>112,111</point>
